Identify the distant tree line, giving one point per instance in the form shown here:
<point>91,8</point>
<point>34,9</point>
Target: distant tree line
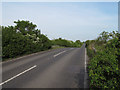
<point>24,38</point>
<point>66,43</point>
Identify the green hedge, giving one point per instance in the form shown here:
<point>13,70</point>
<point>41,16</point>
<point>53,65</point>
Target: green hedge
<point>103,67</point>
<point>103,70</point>
<point>23,39</point>
<point>66,43</point>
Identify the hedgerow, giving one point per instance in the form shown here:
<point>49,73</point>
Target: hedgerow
<point>103,65</point>
<point>24,38</point>
<point>66,43</point>
<point>21,39</point>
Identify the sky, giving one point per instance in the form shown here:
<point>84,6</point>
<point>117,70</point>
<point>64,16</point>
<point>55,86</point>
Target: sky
<point>60,0</point>
<point>69,20</point>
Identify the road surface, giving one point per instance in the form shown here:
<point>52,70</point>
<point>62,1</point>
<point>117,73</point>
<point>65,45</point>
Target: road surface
<point>59,68</point>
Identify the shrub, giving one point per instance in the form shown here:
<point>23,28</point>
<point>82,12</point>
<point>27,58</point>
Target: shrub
<point>103,65</point>
<point>22,39</point>
<point>103,70</point>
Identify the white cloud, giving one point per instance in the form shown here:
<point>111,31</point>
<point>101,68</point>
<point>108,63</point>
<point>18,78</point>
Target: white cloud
<point>70,22</point>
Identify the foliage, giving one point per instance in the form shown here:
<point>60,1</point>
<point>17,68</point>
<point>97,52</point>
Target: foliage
<point>0,43</point>
<point>103,65</point>
<point>22,38</point>
<point>66,43</point>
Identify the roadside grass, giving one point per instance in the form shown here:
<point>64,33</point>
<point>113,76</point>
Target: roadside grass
<point>57,46</point>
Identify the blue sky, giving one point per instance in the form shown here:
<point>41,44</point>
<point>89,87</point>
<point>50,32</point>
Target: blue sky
<point>69,20</point>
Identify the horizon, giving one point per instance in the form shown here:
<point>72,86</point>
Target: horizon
<point>67,20</point>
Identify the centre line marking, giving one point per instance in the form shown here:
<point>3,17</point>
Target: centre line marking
<point>18,75</point>
<point>59,53</point>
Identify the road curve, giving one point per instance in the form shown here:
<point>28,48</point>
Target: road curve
<point>60,68</point>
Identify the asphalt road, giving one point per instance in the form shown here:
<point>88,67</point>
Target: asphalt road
<point>59,68</point>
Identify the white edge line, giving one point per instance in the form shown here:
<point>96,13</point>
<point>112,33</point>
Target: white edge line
<point>85,71</point>
<point>18,75</point>
<point>85,59</point>
<point>59,53</point>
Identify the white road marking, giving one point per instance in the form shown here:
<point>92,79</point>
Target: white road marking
<point>85,59</point>
<point>18,75</point>
<point>85,76</point>
<point>59,53</point>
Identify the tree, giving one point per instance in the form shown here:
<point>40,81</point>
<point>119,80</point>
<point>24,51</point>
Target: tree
<point>25,27</point>
<point>23,39</point>
<point>104,36</point>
